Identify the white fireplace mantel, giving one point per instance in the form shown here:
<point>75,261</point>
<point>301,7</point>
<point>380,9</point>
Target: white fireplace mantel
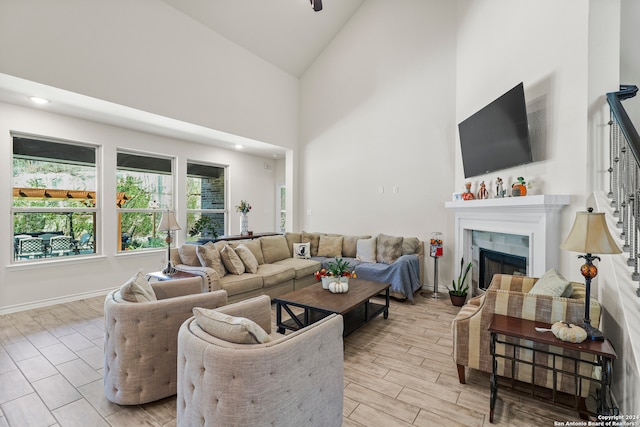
<point>537,217</point>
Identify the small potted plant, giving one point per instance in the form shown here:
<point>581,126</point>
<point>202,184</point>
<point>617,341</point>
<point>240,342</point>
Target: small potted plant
<point>205,227</point>
<point>338,271</point>
<point>459,289</point>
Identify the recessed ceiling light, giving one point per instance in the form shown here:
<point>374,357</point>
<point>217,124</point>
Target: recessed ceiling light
<point>38,100</point>
<point>239,147</point>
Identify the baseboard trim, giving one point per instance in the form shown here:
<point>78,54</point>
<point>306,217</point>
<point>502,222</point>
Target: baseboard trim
<point>52,301</point>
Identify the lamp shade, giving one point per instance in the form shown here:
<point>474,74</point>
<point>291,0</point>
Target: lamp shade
<point>168,222</point>
<point>590,235</point>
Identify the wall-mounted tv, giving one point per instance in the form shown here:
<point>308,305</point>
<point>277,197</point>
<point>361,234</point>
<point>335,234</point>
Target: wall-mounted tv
<point>497,136</point>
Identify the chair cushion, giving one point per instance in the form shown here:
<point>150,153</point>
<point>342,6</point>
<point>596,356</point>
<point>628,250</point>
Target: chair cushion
<point>237,330</point>
<point>136,289</point>
<point>330,246</point>
<point>231,260</point>
<point>388,249</point>
<point>274,248</point>
<point>248,258</point>
<point>366,250</point>
<point>209,256</point>
<point>552,283</point>
<point>302,250</point>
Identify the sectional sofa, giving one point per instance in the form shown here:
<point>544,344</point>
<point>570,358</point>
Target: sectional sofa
<point>275,265</point>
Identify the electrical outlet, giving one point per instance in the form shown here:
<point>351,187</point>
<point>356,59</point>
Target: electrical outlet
<point>395,189</point>
<point>380,190</point>
<point>308,212</point>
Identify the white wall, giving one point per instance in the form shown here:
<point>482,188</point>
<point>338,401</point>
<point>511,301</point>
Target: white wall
<point>629,58</point>
<point>145,55</point>
<point>377,111</point>
<point>47,281</point>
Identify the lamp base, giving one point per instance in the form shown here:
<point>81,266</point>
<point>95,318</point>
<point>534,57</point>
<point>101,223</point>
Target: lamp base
<point>169,269</point>
<point>593,334</point>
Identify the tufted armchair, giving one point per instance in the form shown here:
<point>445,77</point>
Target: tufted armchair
<point>140,347</point>
<point>508,295</point>
<point>294,380</point>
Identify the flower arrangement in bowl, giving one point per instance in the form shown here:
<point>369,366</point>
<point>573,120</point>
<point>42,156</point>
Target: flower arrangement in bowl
<point>338,271</point>
<point>244,207</point>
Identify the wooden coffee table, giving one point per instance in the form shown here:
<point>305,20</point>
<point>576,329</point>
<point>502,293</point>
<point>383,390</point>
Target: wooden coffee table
<point>318,303</point>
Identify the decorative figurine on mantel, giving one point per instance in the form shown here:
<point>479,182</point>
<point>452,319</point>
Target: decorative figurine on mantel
<point>483,193</point>
<point>500,191</point>
<point>519,188</point>
<point>467,195</point>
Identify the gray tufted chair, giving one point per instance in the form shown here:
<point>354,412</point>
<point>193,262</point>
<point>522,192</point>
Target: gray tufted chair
<point>294,380</point>
<point>140,347</point>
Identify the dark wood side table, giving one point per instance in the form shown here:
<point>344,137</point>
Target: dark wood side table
<point>502,327</point>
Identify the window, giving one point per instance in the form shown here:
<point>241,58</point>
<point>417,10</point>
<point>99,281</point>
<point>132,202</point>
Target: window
<point>206,201</point>
<point>145,188</point>
<point>54,199</point>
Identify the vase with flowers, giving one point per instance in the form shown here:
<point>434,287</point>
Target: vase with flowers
<point>338,271</point>
<point>244,208</point>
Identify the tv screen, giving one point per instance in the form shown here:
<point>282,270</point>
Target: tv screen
<point>497,136</point>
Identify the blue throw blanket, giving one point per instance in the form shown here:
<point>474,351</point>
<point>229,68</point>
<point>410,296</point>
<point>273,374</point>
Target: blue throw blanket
<point>403,275</point>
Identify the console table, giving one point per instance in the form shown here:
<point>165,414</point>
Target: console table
<point>513,327</point>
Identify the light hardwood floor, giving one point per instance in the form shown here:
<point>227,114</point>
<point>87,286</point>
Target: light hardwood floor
<point>398,372</point>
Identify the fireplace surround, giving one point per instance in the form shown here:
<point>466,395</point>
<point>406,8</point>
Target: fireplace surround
<point>536,217</point>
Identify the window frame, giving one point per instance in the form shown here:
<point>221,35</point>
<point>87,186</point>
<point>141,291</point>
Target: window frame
<point>224,210</point>
<point>95,211</point>
<point>158,210</point>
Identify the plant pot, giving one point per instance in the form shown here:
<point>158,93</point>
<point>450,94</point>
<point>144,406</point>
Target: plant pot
<point>458,300</point>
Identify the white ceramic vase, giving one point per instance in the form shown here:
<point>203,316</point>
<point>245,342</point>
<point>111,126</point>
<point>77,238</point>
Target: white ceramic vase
<point>244,224</point>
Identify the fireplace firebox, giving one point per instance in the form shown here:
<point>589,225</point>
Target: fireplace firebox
<point>493,262</point>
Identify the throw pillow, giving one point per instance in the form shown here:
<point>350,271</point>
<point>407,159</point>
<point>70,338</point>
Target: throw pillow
<point>136,289</point>
<point>389,249</point>
<point>188,255</point>
<point>209,256</point>
<point>330,246</point>
<point>410,245</point>
<point>314,239</point>
<point>302,250</point>
<point>231,260</point>
<point>552,283</point>
<point>256,249</point>
<point>349,249</point>
<point>366,250</point>
<point>274,248</point>
<point>237,330</point>
<point>248,259</point>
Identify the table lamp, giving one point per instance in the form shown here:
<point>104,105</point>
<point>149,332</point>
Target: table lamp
<point>590,234</point>
<point>168,223</point>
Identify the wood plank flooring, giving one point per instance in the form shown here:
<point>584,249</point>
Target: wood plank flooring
<point>398,372</point>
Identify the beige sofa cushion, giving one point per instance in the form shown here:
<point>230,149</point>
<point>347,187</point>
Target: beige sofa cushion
<point>314,239</point>
<point>209,256</point>
<point>275,274</point>
<point>231,260</point>
<point>366,250</point>
<point>237,330</point>
<point>254,246</point>
<point>274,248</point>
<point>239,284</point>
<point>388,248</point>
<point>330,246</point>
<point>302,267</point>
<point>349,245</point>
<point>248,259</point>
<point>136,289</point>
<point>188,255</point>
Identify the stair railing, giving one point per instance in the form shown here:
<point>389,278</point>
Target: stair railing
<point>624,175</point>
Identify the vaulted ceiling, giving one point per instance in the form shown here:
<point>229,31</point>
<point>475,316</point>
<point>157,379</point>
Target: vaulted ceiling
<point>286,33</point>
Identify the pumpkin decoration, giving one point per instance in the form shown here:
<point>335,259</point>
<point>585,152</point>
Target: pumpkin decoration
<point>338,287</point>
<point>519,188</point>
<point>568,332</point>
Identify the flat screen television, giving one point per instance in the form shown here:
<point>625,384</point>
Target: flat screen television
<point>497,136</point>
